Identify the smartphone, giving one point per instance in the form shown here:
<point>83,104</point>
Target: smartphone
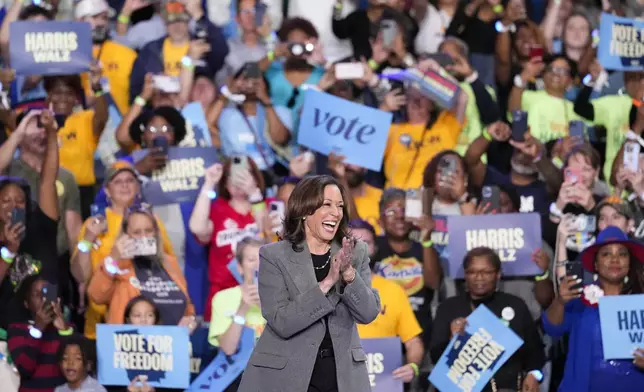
<point>519,125</point>
<point>413,204</point>
<point>571,176</point>
<point>574,268</point>
<point>145,247</point>
<point>584,224</point>
<point>166,84</point>
<point>631,156</point>
<point>201,32</point>
<point>18,215</point>
<point>349,71</point>
<point>389,30</point>
<point>260,11</point>
<point>238,165</point>
<point>96,210</point>
<point>161,142</point>
<point>256,277</point>
<point>277,206</point>
<point>49,293</point>
<point>492,195</point>
<point>536,52</point>
<point>447,166</point>
<point>442,59</point>
<point>252,71</point>
<point>577,129</point>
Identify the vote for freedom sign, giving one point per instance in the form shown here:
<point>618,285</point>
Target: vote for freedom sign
<point>513,236</point>
<point>621,43</point>
<point>472,359</point>
<point>331,124</point>
<point>158,352</point>
<point>622,325</point>
<point>50,48</point>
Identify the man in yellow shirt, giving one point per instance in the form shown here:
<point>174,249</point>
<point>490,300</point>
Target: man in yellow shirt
<point>427,131</point>
<point>168,55</point>
<point>396,316</point>
<point>116,59</point>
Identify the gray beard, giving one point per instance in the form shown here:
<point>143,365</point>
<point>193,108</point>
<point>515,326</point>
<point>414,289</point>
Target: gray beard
<point>522,169</point>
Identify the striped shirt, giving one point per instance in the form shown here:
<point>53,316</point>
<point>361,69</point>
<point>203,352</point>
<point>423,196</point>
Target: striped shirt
<point>35,358</point>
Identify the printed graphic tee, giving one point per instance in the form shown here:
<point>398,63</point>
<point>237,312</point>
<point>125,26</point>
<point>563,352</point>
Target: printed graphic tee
<point>406,269</point>
<point>155,284</point>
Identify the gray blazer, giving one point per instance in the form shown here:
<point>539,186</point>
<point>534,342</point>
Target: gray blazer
<point>294,308</point>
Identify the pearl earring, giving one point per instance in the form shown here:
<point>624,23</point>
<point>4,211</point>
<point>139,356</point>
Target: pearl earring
<point>595,277</point>
<point>625,279</point>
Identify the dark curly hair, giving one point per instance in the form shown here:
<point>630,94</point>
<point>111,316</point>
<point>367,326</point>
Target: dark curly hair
<point>307,197</point>
<point>293,24</point>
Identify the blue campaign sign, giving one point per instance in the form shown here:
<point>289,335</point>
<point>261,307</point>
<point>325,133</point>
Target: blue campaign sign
<point>158,352</point>
<point>181,178</point>
<point>331,124</point>
<point>201,352</point>
<point>383,357</point>
<point>198,134</point>
<point>50,48</point>
<point>620,42</point>
<point>622,325</point>
<point>224,369</point>
<point>513,236</point>
<point>472,358</point>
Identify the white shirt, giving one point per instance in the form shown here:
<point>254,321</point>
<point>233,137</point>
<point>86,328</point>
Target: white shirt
<point>432,30</point>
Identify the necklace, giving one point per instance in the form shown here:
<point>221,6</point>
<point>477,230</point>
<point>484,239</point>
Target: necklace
<point>323,266</point>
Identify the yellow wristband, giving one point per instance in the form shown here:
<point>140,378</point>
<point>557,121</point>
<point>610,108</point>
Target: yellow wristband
<point>373,64</point>
<point>498,8</point>
<point>140,101</point>
<point>545,276</point>
<point>124,19</point>
<point>257,207</point>
<point>270,55</point>
<point>427,244</point>
<point>487,135</point>
<point>66,332</point>
<point>415,367</point>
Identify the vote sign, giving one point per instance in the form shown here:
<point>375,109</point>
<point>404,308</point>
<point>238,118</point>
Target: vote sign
<point>622,325</point>
<point>331,124</point>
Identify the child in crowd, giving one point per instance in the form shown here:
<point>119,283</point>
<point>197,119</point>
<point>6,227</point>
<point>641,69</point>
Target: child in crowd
<point>76,366</point>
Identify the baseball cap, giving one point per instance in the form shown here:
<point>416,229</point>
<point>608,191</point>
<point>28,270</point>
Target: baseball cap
<point>92,8</point>
<point>618,204</point>
<point>175,11</point>
<point>118,167</point>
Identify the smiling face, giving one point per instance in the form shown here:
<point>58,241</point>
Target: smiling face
<point>73,366</point>
<point>123,188</point>
<point>11,196</point>
<point>577,32</point>
<point>524,40</point>
<point>158,127</point>
<point>481,277</point>
<point>142,313</point>
<point>558,75</point>
<point>62,98</point>
<point>609,216</point>
<point>393,219</point>
<point>581,164</point>
<point>613,262</point>
<point>323,224</point>
<point>140,225</point>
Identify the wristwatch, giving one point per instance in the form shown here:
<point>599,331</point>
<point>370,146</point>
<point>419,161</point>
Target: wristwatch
<point>239,320</point>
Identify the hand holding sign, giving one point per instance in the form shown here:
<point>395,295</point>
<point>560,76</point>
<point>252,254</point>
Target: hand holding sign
<point>404,373</point>
<point>140,384</point>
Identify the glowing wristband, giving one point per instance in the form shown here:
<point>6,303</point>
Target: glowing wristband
<point>84,246</point>
<point>187,62</point>
<point>427,244</point>
<point>212,195</point>
<point>7,255</point>
<point>140,101</point>
<point>98,93</point>
<point>111,266</point>
<point>537,375</point>
<point>555,211</point>
<point>373,64</point>
<point>557,162</point>
<point>415,367</point>
<point>258,207</point>
<point>487,135</point>
<point>545,276</point>
<point>498,8</point>
<point>124,19</point>
<point>270,55</point>
<point>66,332</point>
<point>35,332</point>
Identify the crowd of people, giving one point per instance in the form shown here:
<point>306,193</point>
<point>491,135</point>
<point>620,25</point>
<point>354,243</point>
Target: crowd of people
<point>78,152</point>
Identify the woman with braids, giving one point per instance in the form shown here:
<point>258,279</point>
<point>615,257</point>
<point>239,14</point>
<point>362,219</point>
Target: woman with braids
<point>616,262</point>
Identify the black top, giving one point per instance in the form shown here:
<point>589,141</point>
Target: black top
<point>322,266</point>
<point>529,357</point>
<point>37,253</point>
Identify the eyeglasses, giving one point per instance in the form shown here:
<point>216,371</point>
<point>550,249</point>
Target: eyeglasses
<point>153,129</point>
<point>391,212</point>
<point>559,71</point>
<point>483,273</point>
<point>121,182</point>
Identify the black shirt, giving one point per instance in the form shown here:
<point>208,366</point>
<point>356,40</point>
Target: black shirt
<point>529,357</point>
<point>322,266</point>
<point>406,269</point>
<point>37,254</point>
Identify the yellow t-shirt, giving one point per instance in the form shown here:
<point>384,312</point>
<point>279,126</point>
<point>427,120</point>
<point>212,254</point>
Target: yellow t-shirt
<point>613,112</point>
<point>548,116</point>
<point>77,145</point>
<point>396,317</point>
<point>224,306</point>
<point>95,313</point>
<point>368,206</point>
<point>410,147</point>
<point>172,55</point>
<point>117,61</point>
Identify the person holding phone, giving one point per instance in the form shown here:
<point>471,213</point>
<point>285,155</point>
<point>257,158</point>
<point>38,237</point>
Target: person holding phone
<point>616,262</point>
<point>34,341</point>
<point>132,269</point>
<point>315,286</point>
<point>447,176</point>
<point>230,207</point>
<point>238,307</point>
<point>28,234</point>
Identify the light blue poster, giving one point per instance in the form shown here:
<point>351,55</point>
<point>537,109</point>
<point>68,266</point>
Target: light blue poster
<point>331,124</point>
<point>196,121</point>
<point>159,352</point>
<point>622,325</point>
<point>472,358</point>
<point>620,43</point>
<point>224,369</point>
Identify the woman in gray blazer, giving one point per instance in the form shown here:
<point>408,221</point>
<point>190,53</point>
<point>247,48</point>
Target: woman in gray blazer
<point>314,286</point>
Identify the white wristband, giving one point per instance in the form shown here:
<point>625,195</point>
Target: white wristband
<point>472,78</point>
<point>555,211</point>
